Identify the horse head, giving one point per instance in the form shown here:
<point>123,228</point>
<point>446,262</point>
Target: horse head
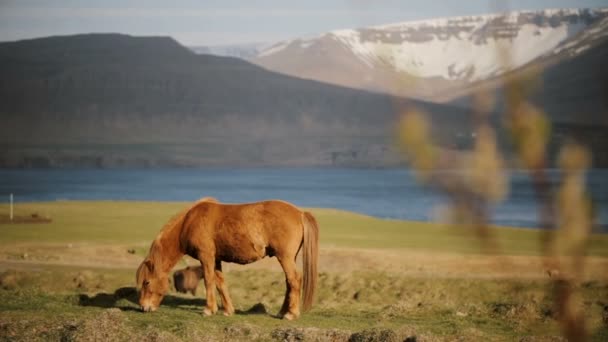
<point>152,285</point>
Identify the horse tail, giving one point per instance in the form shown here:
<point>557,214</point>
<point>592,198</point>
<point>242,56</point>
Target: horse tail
<point>309,259</point>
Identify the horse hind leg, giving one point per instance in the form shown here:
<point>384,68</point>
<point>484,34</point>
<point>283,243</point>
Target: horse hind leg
<point>223,289</point>
<point>291,306</point>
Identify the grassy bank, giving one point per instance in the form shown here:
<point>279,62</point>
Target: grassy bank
<point>380,280</point>
<point>139,222</point>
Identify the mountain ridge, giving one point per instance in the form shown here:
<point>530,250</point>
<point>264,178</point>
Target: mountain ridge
<point>182,108</point>
<point>420,58</point>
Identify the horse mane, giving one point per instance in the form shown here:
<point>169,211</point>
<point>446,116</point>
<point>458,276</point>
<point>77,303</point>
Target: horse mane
<point>155,253</point>
<point>173,221</point>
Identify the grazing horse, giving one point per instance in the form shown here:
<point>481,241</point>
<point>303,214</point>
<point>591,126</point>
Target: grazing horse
<point>213,232</point>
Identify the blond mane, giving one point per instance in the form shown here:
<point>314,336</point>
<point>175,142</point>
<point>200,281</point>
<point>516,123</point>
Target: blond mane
<point>156,253</point>
<point>173,221</point>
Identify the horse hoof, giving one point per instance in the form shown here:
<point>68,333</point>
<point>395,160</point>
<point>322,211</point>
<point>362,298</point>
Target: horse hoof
<point>228,313</point>
<point>289,316</point>
<point>207,312</point>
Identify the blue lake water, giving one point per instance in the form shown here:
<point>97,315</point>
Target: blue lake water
<point>384,193</point>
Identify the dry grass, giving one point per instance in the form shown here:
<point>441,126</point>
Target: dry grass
<point>87,303</point>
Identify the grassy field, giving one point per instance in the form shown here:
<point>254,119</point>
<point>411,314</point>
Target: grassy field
<point>380,280</point>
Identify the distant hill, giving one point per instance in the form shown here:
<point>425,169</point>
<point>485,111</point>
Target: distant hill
<point>445,60</point>
<point>572,90</point>
<point>429,59</point>
<point>106,100</point>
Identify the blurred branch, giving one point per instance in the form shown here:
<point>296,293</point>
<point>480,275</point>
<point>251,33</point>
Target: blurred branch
<point>481,180</point>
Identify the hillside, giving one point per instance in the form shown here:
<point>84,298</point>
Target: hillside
<point>445,60</point>
<point>432,58</point>
<point>114,100</point>
<point>573,90</point>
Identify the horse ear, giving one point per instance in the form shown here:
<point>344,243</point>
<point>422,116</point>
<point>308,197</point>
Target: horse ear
<point>150,265</point>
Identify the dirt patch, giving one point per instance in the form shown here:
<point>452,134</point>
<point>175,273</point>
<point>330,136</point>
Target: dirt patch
<point>109,325</point>
<point>336,335</point>
<point>112,325</point>
<point>242,332</point>
<point>519,311</point>
<point>87,281</point>
<point>425,264</point>
<point>413,263</point>
<point>31,218</point>
<point>72,254</point>
<point>309,334</point>
<point>543,339</point>
<point>32,330</point>
<point>11,280</point>
<point>374,335</point>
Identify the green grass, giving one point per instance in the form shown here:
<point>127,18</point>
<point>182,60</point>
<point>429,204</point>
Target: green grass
<point>40,301</point>
<point>433,308</point>
<point>139,222</point>
<point>100,222</point>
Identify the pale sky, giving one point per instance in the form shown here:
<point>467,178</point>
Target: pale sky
<point>221,22</point>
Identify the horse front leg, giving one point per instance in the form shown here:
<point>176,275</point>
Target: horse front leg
<point>208,265</point>
<point>223,289</point>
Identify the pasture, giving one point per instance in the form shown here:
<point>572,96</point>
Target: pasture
<point>380,280</point>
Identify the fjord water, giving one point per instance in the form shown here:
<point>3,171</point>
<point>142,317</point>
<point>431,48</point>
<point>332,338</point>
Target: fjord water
<point>384,193</point>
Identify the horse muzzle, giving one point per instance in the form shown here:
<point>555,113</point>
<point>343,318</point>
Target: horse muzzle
<point>147,308</point>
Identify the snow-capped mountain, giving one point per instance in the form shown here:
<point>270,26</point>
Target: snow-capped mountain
<point>585,40</point>
<point>433,57</point>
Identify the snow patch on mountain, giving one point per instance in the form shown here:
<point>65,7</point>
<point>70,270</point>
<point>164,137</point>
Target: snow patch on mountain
<point>459,56</point>
<point>468,48</point>
<point>274,48</point>
<point>244,51</point>
<point>584,40</point>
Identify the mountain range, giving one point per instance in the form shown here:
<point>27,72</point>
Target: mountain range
<point>111,100</point>
<point>107,100</point>
<point>436,59</point>
<point>447,60</point>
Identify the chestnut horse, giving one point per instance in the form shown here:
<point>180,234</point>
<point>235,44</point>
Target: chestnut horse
<point>241,233</point>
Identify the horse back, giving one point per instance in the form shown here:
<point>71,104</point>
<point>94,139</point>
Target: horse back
<point>244,233</point>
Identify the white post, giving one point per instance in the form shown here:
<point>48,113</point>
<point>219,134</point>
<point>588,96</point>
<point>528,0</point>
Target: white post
<point>11,207</point>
